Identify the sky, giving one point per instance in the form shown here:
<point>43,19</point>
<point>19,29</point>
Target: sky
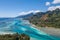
<point>13,8</point>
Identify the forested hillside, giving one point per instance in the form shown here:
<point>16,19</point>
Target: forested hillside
<point>46,19</point>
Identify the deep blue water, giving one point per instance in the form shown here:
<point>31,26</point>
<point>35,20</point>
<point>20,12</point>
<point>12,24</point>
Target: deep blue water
<point>23,26</point>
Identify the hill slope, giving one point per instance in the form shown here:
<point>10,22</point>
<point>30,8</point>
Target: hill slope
<point>47,19</point>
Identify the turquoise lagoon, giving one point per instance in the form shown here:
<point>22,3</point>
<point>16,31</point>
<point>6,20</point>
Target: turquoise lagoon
<point>23,26</point>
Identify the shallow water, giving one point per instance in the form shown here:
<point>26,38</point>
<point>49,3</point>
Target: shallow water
<point>23,26</point>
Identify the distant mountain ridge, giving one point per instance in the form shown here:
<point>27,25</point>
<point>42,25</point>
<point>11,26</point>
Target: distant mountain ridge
<point>47,19</point>
<point>25,16</point>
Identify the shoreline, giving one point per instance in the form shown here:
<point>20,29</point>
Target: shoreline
<point>49,30</point>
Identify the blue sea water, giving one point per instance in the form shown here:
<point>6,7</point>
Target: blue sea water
<point>23,26</point>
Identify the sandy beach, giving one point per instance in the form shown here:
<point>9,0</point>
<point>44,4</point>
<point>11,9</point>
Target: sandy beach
<point>49,30</point>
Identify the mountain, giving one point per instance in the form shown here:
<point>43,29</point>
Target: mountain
<point>46,19</point>
<point>30,14</point>
<point>25,16</point>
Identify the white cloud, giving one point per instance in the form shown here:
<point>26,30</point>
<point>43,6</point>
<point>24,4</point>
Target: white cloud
<point>47,3</point>
<point>32,11</point>
<point>56,1</point>
<point>53,8</point>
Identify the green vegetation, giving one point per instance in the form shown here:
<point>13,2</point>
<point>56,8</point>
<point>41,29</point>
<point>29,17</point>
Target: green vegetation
<point>14,37</point>
<point>47,19</point>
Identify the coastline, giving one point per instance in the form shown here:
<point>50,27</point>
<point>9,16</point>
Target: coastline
<point>49,30</point>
